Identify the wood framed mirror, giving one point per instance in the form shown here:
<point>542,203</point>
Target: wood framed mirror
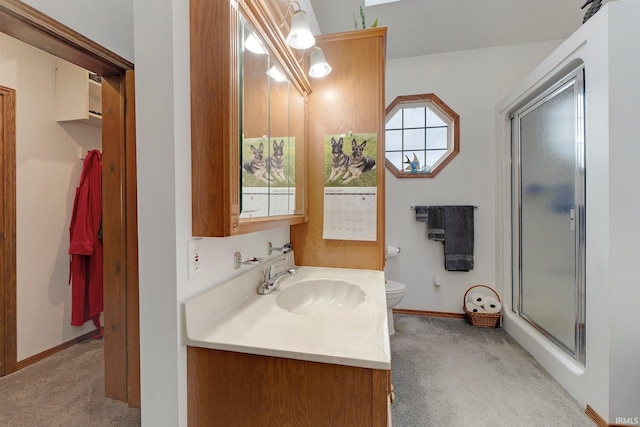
<point>248,99</point>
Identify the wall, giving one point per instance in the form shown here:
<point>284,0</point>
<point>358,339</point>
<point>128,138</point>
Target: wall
<point>471,82</point>
<point>624,152</point>
<point>110,23</point>
<point>610,382</point>
<point>47,157</point>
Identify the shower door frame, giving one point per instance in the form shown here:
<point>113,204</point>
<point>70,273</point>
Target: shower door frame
<point>575,78</point>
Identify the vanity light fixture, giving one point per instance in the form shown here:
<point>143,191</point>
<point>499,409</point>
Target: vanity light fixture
<point>318,65</point>
<point>300,36</point>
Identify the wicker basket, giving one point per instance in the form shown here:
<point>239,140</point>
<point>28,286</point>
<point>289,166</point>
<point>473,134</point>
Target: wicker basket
<point>483,320</point>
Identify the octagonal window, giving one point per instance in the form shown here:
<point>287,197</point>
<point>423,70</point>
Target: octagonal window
<point>422,135</point>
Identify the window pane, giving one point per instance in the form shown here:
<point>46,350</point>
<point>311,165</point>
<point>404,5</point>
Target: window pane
<point>414,117</point>
<point>434,156</point>
<point>396,158</point>
<point>414,139</point>
<point>395,122</point>
<point>433,119</point>
<point>393,140</point>
<point>437,138</point>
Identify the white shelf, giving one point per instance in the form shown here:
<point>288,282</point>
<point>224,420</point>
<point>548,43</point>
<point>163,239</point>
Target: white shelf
<point>77,96</point>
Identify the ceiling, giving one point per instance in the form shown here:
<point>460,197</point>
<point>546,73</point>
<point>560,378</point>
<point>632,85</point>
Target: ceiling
<point>422,27</point>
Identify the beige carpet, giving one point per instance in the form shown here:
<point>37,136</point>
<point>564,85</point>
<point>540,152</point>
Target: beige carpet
<point>447,373</point>
<point>66,389</point>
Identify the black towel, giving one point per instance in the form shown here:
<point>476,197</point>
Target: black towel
<point>436,224</point>
<point>458,238</point>
<point>434,217</point>
<point>452,225</point>
<point>422,213</point>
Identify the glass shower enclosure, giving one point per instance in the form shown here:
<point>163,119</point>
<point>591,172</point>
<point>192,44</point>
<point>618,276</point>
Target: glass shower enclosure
<point>548,170</point>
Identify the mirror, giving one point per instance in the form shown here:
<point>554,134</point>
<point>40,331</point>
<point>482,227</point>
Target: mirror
<point>239,107</point>
<point>267,146</point>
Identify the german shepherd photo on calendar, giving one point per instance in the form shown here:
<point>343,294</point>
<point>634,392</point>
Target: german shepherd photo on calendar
<point>339,160</point>
<point>275,162</point>
<point>257,165</point>
<point>358,162</point>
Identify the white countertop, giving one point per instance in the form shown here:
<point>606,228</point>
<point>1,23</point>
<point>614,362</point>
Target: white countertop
<point>234,317</point>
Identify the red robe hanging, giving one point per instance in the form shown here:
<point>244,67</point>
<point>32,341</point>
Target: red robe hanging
<point>86,245</point>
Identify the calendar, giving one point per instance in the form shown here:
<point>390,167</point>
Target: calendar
<point>350,187</point>
<point>268,176</point>
<point>350,213</point>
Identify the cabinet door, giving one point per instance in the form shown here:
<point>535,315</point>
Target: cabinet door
<point>222,131</point>
<point>78,98</point>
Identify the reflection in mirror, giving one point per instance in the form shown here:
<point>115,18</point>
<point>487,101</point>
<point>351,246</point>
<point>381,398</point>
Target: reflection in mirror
<point>281,148</point>
<point>267,147</point>
<point>254,122</point>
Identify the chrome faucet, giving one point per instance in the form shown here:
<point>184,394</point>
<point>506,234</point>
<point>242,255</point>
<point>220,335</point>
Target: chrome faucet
<point>272,279</point>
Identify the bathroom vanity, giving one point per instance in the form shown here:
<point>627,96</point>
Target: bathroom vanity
<point>313,352</point>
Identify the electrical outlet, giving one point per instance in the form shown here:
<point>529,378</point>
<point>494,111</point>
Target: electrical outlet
<point>437,282</point>
<point>193,258</point>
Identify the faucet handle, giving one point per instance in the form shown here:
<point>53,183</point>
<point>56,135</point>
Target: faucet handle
<point>272,270</point>
<point>284,248</point>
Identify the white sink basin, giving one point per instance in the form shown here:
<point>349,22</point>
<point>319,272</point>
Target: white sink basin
<point>320,296</point>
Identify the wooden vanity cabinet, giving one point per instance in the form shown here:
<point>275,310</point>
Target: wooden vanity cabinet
<point>236,389</point>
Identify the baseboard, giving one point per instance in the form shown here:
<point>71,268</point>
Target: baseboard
<point>430,313</point>
<point>595,417</point>
<point>600,422</point>
<point>40,356</point>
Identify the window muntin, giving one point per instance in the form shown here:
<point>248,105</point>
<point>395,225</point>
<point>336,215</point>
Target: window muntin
<point>422,128</point>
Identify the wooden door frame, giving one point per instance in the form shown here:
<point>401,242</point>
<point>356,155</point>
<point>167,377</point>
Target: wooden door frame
<point>8,341</point>
<point>122,364</point>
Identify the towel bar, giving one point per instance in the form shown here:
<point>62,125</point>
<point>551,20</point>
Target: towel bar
<point>413,207</point>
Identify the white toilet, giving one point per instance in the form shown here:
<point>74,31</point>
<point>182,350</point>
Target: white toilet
<point>395,293</point>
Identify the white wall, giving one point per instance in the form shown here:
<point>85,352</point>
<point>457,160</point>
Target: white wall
<point>624,157</point>
<point>471,82</point>
<point>108,23</point>
<point>48,169</point>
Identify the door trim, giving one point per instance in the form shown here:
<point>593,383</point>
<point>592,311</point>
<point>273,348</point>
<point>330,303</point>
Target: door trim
<point>121,336</point>
<point>8,339</point>
<point>571,79</point>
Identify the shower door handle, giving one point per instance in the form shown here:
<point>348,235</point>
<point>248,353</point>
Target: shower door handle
<point>572,219</point>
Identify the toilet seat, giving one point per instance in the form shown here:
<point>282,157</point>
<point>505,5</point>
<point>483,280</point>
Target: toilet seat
<point>393,287</point>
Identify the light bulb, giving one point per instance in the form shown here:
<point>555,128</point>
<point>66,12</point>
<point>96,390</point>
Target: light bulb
<point>319,67</point>
<point>253,44</point>
<point>300,36</point>
<point>276,74</point>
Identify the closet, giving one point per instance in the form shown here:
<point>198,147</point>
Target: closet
<point>34,29</point>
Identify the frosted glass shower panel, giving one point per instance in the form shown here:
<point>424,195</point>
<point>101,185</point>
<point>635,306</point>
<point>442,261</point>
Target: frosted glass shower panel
<point>547,218</point>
